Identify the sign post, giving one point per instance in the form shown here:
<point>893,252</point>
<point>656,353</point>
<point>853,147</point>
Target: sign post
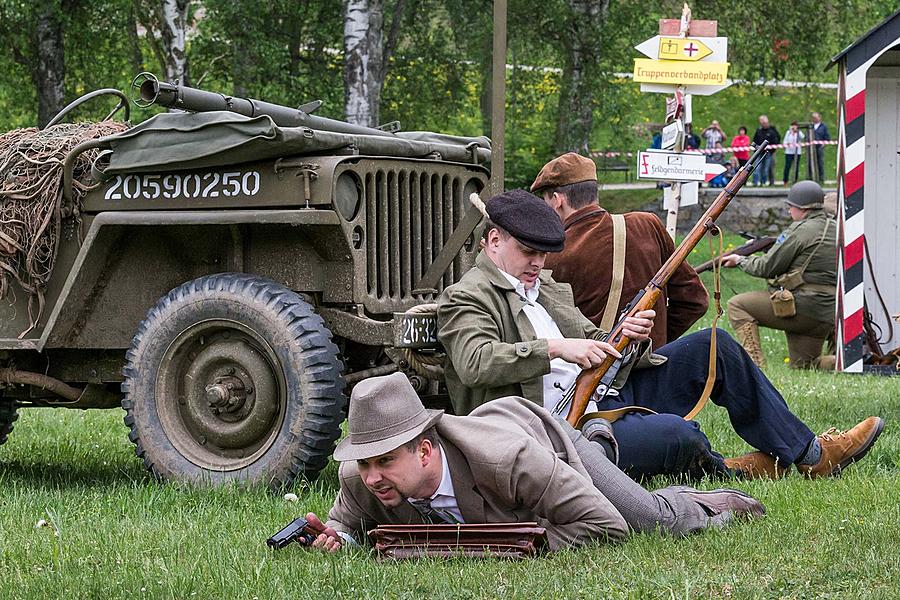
<point>685,58</point>
<point>672,212</point>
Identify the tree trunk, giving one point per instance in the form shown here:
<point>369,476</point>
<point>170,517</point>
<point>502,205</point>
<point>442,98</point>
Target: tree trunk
<point>363,65</point>
<point>137,59</point>
<point>49,69</point>
<point>487,82</point>
<point>172,19</point>
<point>242,66</point>
<point>575,118</point>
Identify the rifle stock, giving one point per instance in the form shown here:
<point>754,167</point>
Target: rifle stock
<point>589,379</point>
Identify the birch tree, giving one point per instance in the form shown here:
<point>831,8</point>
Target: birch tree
<point>366,56</point>
<point>48,69</point>
<point>582,45</point>
<point>166,24</point>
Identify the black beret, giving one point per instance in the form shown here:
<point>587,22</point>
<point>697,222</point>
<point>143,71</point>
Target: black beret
<point>528,219</point>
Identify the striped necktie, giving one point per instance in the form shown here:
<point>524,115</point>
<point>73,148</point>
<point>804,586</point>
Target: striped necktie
<point>435,516</point>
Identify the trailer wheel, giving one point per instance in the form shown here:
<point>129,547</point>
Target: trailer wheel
<point>232,377</point>
<point>8,416</point>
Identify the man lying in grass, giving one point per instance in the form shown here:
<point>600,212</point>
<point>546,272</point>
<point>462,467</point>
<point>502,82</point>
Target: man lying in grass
<point>508,461</point>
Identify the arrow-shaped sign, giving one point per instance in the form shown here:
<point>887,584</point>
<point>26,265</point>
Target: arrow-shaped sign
<point>676,166</point>
<point>673,48</point>
<point>717,46</point>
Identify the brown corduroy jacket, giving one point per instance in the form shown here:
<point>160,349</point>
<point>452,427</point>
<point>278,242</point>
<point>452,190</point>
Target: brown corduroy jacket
<point>586,265</point>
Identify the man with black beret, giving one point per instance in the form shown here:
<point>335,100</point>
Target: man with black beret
<point>509,329</point>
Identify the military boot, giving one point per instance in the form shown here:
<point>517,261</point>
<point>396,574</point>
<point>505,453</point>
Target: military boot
<point>748,336</point>
<point>757,465</point>
<point>842,448</point>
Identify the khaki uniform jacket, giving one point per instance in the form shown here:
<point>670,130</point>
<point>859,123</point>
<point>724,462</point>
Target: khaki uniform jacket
<point>791,249</point>
<point>510,461</point>
<point>491,346</point>
<point>586,264</point>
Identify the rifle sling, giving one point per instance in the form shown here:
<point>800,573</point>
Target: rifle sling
<point>618,273</point>
<point>717,299</point>
<point>616,414</point>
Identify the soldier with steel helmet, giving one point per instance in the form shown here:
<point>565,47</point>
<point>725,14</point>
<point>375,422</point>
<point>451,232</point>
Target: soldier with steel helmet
<point>801,270</point>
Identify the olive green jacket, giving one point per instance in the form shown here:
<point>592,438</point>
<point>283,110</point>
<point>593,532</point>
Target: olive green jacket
<point>491,346</point>
<point>791,249</point>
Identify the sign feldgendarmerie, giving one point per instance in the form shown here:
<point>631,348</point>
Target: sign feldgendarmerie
<point>676,166</point>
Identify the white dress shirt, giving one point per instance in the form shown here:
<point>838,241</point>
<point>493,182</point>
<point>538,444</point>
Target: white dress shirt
<point>444,497</point>
<point>562,373</point>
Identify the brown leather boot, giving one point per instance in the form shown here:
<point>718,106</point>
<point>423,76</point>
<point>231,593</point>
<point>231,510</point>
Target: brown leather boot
<point>748,336</point>
<point>757,465</point>
<point>842,448</point>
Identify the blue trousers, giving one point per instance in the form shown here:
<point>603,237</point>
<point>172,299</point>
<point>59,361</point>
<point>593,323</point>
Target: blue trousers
<point>762,171</point>
<point>667,444</point>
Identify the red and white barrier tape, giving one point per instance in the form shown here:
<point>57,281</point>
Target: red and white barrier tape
<point>614,153</point>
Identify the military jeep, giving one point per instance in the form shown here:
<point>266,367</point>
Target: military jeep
<point>234,270</point>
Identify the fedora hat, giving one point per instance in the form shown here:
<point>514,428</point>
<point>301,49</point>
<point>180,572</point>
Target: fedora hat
<point>385,413</point>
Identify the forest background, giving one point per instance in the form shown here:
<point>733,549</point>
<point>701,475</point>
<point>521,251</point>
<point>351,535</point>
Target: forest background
<point>426,63</point>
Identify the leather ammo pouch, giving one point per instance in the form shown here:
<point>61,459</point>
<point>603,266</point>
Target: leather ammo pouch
<point>504,540</point>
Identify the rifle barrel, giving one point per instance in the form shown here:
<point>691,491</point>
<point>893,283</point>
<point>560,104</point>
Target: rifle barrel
<point>588,379</point>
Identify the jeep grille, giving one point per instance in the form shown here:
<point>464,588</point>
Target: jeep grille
<point>409,213</point>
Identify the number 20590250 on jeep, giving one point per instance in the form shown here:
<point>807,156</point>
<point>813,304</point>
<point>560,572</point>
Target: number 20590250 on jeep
<point>232,271</point>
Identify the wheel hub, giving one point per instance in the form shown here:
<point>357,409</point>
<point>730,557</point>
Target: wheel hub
<point>230,394</point>
<point>227,395</point>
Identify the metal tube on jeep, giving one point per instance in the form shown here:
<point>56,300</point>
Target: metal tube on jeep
<point>153,91</point>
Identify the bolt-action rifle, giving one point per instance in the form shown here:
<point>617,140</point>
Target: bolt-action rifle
<point>601,377</point>
<point>753,245</point>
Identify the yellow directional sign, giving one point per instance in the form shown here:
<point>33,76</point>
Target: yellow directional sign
<point>680,73</point>
<point>690,49</point>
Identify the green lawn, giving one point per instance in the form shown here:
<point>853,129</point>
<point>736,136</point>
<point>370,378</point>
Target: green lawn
<point>122,535</point>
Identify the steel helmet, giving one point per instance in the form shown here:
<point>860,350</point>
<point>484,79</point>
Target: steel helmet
<point>806,194</point>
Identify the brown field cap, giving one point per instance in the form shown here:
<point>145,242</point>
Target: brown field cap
<point>564,170</point>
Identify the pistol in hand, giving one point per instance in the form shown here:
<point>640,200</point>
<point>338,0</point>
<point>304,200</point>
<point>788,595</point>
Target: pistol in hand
<point>299,530</point>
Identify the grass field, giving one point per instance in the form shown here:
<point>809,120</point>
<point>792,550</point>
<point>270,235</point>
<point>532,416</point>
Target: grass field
<point>115,533</point>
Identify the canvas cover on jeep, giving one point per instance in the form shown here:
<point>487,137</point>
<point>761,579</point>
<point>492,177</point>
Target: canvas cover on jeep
<point>178,141</point>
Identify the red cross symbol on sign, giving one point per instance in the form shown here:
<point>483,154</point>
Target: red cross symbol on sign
<point>690,49</point>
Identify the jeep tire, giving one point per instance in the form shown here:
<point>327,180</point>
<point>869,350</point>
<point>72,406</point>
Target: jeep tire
<point>8,416</point>
<point>232,377</point>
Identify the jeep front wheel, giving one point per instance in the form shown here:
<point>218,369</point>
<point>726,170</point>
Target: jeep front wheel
<point>8,416</point>
<point>232,377</point>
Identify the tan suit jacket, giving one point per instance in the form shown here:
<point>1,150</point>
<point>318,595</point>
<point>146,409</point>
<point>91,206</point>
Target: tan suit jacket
<point>510,461</point>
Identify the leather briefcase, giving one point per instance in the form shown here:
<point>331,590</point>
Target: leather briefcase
<point>506,540</point>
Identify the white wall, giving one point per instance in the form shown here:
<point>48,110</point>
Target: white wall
<point>882,190</point>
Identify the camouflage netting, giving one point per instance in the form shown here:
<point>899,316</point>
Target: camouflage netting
<point>31,188</point>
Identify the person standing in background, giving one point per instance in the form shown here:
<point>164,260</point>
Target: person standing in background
<point>820,133</point>
<point>792,151</point>
<point>765,133</point>
<point>741,140</point>
<point>713,135</point>
<point>691,141</point>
